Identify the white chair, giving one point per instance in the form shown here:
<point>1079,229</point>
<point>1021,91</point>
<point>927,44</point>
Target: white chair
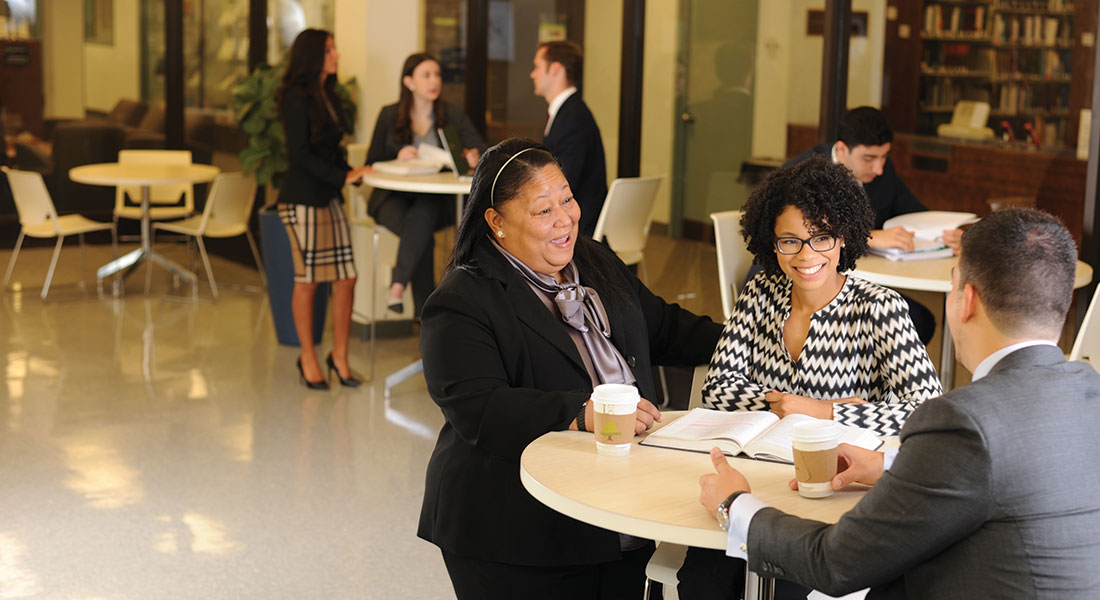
<point>668,558</point>
<point>734,258</point>
<point>226,214</point>
<point>164,200</point>
<point>1087,345</point>
<point>38,219</point>
<point>626,216</point>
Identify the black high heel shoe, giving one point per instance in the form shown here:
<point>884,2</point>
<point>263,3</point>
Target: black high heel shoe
<point>313,385</point>
<point>351,381</point>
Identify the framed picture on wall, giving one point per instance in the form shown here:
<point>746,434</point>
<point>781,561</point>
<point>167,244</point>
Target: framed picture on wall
<point>99,21</point>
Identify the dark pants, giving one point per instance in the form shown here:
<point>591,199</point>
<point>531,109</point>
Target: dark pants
<point>476,579</point>
<point>414,218</point>
<point>711,575</point>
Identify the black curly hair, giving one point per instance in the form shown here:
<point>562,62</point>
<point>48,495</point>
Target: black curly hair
<point>830,199</point>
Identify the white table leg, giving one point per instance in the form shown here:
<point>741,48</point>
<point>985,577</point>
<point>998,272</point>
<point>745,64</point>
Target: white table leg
<point>757,587</point>
<point>402,374</point>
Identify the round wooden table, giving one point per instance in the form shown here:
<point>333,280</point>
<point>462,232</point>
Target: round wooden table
<point>145,176</point>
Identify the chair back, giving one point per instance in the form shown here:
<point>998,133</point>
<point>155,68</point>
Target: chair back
<point>229,203</point>
<point>32,199</point>
<point>158,194</point>
<point>357,155</point>
<point>734,258</point>
<point>1087,344</point>
<point>695,398</point>
<point>627,214</point>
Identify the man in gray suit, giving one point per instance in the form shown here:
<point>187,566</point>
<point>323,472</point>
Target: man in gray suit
<point>994,491</point>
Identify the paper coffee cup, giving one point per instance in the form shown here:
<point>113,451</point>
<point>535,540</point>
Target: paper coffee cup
<point>814,445</point>
<point>613,407</point>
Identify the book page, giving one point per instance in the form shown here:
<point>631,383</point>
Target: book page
<point>775,443</point>
<point>706,424</point>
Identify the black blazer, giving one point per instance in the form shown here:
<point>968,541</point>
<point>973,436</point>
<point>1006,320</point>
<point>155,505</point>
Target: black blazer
<point>888,194</point>
<point>384,144</point>
<point>504,371</point>
<point>574,139</point>
<point>318,168</point>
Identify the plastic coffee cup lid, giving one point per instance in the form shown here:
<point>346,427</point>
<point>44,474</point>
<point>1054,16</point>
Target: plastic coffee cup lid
<point>814,431</point>
<point>615,393</point>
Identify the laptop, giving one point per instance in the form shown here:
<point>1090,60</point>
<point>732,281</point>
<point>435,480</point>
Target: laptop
<point>456,160</point>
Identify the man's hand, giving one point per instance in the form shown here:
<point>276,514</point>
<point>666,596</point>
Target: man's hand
<point>716,487</point>
<point>952,238</point>
<point>854,465</point>
<point>895,237</point>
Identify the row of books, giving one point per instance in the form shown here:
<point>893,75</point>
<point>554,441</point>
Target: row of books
<point>1031,30</point>
<point>1048,63</point>
<point>940,20</point>
<point>1020,98</point>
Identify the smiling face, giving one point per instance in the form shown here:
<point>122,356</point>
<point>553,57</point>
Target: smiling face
<point>332,59</point>
<point>810,270</point>
<point>426,81</point>
<point>540,223</point>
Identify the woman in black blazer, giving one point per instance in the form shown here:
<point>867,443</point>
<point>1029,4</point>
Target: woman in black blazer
<point>310,198</point>
<point>505,368</point>
<point>400,128</point>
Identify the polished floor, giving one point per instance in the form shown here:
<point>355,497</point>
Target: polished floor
<point>161,447</point>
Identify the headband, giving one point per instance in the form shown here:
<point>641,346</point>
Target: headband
<point>492,189</point>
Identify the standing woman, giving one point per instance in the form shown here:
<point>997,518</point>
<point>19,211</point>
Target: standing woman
<point>400,128</point>
<point>309,200</point>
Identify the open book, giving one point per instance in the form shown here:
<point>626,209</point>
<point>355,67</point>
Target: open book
<point>758,434</point>
<point>430,159</point>
<point>927,227</point>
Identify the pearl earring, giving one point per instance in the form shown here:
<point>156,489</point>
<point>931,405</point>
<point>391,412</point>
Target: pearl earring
<point>500,234</point>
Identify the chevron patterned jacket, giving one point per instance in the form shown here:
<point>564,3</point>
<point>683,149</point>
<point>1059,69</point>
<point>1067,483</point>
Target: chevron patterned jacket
<point>861,344</point>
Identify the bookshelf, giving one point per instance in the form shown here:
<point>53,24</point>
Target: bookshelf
<point>1017,55</point>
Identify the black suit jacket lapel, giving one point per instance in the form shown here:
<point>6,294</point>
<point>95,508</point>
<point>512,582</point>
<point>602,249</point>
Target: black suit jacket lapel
<point>529,309</point>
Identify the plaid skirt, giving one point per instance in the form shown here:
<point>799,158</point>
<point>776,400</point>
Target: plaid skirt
<point>320,242</point>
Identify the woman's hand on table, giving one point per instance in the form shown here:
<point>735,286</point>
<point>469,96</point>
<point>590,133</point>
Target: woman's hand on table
<point>643,419</point>
<point>407,153</point>
<point>783,404</point>
<point>716,487</point>
<point>356,174</point>
<point>853,465</point>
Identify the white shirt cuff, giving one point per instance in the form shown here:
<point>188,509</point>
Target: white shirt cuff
<point>743,509</point>
<point>888,457</point>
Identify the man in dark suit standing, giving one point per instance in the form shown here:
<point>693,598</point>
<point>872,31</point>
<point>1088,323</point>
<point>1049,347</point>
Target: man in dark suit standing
<point>993,492</point>
<point>571,132</point>
<point>863,145</point>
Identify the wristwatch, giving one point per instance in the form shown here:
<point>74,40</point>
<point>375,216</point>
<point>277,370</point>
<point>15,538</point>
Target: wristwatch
<point>723,512</point>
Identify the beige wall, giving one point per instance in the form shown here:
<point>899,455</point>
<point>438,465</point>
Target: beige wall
<point>373,38</point>
<point>113,71</point>
<point>63,76</point>
<point>603,31</point>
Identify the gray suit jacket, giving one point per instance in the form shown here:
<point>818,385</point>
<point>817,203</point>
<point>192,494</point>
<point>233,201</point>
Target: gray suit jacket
<point>994,494</point>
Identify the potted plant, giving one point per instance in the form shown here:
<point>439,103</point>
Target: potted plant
<point>265,158</point>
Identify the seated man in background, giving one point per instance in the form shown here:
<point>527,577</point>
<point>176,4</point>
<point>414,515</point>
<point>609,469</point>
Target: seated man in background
<point>992,493</point>
<point>863,145</point>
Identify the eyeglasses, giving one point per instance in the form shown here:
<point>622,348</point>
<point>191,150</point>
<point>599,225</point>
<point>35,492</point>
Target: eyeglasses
<point>822,242</point>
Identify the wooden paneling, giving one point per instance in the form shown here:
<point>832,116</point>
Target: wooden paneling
<point>21,83</point>
<point>901,65</point>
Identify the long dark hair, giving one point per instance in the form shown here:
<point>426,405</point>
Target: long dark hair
<point>496,184</point>
<point>303,69</point>
<point>403,129</point>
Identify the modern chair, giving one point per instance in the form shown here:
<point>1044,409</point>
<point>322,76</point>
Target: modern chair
<point>164,200</point>
<point>226,214</point>
<point>1087,345</point>
<point>626,216</point>
<point>734,258</point>
<point>38,219</point>
<point>668,558</point>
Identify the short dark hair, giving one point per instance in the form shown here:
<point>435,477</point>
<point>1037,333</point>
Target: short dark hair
<point>509,180</point>
<point>830,200</point>
<point>864,126</point>
<point>568,54</point>
<point>1022,262</point>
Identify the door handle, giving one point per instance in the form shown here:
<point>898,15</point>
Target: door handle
<point>687,117</point>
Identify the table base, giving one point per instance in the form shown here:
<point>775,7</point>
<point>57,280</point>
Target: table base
<point>403,374</point>
<point>130,261</point>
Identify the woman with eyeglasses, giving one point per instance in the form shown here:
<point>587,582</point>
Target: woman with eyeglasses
<point>806,338</point>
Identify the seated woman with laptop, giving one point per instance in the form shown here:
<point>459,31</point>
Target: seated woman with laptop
<point>416,119</point>
<point>806,338</point>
